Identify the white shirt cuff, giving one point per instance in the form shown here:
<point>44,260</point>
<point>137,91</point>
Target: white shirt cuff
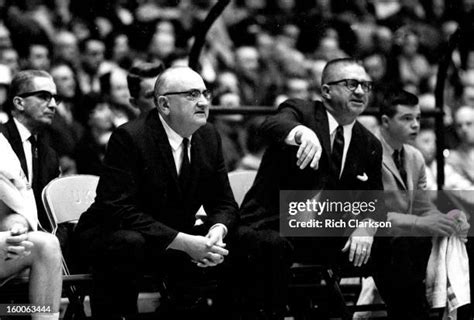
<point>220,224</point>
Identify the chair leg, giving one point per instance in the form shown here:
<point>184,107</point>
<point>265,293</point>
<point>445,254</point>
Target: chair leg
<point>333,282</point>
<point>75,309</point>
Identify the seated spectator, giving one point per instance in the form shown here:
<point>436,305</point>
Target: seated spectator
<point>22,248</point>
<point>10,58</point>
<point>90,150</point>
<point>462,158</point>
<point>5,80</point>
<point>116,96</point>
<point>38,57</point>
<point>254,145</point>
<point>141,79</point>
<point>65,131</point>
<point>66,48</point>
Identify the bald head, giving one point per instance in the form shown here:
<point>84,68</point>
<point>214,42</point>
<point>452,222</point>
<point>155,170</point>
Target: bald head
<point>182,99</point>
<point>172,77</point>
<point>333,68</point>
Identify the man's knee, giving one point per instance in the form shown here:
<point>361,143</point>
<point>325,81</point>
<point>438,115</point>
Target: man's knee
<point>265,245</point>
<point>46,246</point>
<point>125,244</point>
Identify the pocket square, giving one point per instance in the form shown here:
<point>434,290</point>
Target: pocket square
<point>363,177</point>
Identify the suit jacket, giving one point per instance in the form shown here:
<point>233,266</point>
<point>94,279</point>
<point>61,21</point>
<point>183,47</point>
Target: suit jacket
<point>48,165</point>
<point>410,197</point>
<point>278,170</point>
<point>139,189</point>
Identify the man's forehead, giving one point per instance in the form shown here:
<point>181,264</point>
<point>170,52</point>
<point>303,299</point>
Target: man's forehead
<point>464,115</point>
<point>185,79</point>
<point>349,71</point>
<point>43,83</point>
<point>404,108</point>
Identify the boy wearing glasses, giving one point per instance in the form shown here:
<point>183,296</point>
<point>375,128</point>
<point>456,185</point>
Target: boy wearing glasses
<point>158,171</point>
<point>32,104</point>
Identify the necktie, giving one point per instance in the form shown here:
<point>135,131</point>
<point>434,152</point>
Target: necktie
<point>35,162</point>
<point>338,150</point>
<point>185,172</point>
<point>398,158</point>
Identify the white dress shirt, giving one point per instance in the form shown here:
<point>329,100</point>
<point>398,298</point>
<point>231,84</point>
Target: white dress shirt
<point>25,134</point>
<point>176,143</point>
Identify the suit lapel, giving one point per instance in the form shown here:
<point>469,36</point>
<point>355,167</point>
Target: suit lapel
<point>164,148</point>
<point>389,163</point>
<point>16,143</point>
<point>409,164</point>
<point>352,156</point>
<point>322,130</point>
<point>196,158</point>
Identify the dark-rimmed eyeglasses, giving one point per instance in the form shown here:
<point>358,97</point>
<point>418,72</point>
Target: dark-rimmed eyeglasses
<point>193,94</point>
<point>43,95</point>
<point>353,84</point>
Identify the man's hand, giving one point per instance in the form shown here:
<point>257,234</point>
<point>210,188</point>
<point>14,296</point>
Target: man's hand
<point>309,151</point>
<point>216,238</point>
<point>359,245</point>
<point>436,224</point>
<point>14,244</point>
<point>14,220</point>
<point>199,249</point>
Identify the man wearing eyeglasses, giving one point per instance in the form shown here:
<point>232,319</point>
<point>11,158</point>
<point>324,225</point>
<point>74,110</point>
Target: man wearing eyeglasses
<point>158,170</point>
<point>318,145</point>
<point>32,104</point>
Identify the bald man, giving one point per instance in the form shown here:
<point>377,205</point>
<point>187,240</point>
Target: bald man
<point>158,171</point>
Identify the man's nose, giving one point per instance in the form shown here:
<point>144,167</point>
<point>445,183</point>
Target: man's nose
<point>359,89</point>
<point>52,104</point>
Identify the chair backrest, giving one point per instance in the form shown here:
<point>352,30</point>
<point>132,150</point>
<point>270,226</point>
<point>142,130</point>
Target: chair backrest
<point>240,182</point>
<point>66,198</point>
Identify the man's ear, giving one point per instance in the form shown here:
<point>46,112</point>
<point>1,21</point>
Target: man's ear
<point>384,120</point>
<point>162,104</point>
<point>325,91</point>
<point>18,103</point>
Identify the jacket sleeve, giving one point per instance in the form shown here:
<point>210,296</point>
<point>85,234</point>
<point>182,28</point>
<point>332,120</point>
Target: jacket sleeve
<point>220,206</point>
<point>117,200</point>
<point>290,114</point>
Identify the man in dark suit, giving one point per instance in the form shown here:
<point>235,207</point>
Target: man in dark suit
<point>348,158</point>
<point>33,102</point>
<point>158,171</point>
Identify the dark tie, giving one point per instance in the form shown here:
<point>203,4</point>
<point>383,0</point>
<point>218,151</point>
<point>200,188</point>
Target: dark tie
<point>338,150</point>
<point>398,158</point>
<point>35,162</point>
<point>185,172</point>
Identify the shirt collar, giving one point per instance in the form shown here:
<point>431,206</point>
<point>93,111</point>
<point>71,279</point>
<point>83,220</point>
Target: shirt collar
<point>25,134</point>
<point>333,124</point>
<point>174,138</point>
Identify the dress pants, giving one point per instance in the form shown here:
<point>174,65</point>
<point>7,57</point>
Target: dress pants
<point>118,262</point>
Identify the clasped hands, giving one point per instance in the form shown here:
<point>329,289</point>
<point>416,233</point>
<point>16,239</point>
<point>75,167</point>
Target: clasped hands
<point>207,251</point>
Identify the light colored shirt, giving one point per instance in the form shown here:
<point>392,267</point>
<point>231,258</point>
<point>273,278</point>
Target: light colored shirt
<point>176,143</point>
<point>25,134</point>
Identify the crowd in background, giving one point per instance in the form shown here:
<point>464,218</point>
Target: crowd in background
<point>258,53</point>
